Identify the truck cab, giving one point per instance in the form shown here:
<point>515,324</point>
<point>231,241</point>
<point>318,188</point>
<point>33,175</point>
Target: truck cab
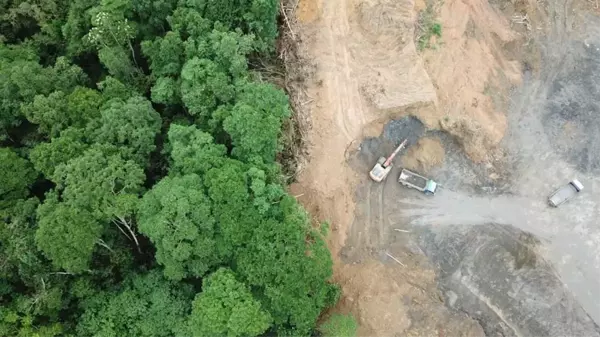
<point>430,187</point>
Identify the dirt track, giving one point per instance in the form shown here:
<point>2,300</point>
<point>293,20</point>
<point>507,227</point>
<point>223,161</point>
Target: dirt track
<point>474,233</point>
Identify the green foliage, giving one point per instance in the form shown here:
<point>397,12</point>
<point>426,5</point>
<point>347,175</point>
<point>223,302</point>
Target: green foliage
<point>255,121</point>
<point>436,29</point>
<point>141,201</point>
<point>265,193</point>
<point>95,187</point>
<point>215,61</point>
<point>227,188</point>
<point>18,250</point>
<point>292,273</point>
<point>66,235</point>
<point>226,307</point>
<point>166,91</point>
<point>98,179</point>
<point>152,15</point>
<point>338,325</point>
<point>204,86</point>
<point>83,105</point>
<point>22,325</point>
<point>18,17</point>
<point>118,64</point>
<point>113,88</point>
<point>427,27</point>
<point>31,299</point>
<point>22,80</point>
<point>228,49</point>
<point>194,151</point>
<point>165,54</point>
<point>176,216</point>
<point>130,125</point>
<point>76,25</point>
<point>145,305</point>
<point>48,112</point>
<point>58,111</point>
<point>261,20</point>
<point>46,157</point>
<point>109,29</point>
<point>66,76</point>
<point>189,23</point>
<point>257,17</point>
<point>17,176</point>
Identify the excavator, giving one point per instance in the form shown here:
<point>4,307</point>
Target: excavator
<point>384,166</point>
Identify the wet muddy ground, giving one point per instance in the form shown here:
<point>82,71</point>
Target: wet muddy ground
<point>502,255</point>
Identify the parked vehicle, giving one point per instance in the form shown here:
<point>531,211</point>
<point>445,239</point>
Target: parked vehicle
<point>565,193</point>
<point>416,181</point>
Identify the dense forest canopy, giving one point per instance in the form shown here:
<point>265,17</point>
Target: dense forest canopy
<point>140,193</point>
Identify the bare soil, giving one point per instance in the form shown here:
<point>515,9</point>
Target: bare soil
<point>451,102</point>
<point>426,154</point>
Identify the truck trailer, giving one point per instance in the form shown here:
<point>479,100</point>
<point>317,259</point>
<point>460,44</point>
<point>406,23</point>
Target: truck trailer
<point>416,181</point>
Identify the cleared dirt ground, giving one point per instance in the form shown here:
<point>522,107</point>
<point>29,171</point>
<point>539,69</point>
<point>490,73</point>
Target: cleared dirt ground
<point>501,110</point>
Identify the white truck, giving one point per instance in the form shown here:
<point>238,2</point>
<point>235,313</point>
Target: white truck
<point>416,181</point>
<point>565,193</point>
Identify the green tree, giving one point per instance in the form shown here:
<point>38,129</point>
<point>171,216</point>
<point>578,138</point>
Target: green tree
<point>112,34</point>
<point>166,54</point>
<point>152,15</point>
<point>257,17</point>
<point>166,60</point>
<point>204,86</point>
<point>226,307</point>
<point>145,198</point>
<point>46,157</point>
<point>66,235</point>
<point>49,112</point>
<point>189,23</point>
<point>227,187</point>
<point>113,88</point>
<point>193,151</point>
<point>58,111</point>
<point>110,28</point>
<point>26,19</point>
<point>130,125</point>
<point>18,251</point>
<point>22,80</point>
<point>76,25</point>
<point>291,264</point>
<point>255,121</point>
<point>119,65</point>
<point>19,324</point>
<point>176,216</point>
<point>228,49</point>
<point>215,62</point>
<point>98,180</point>
<point>166,90</point>
<point>83,105</point>
<point>145,305</point>
<point>66,76</point>
<point>17,176</point>
<point>265,193</point>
